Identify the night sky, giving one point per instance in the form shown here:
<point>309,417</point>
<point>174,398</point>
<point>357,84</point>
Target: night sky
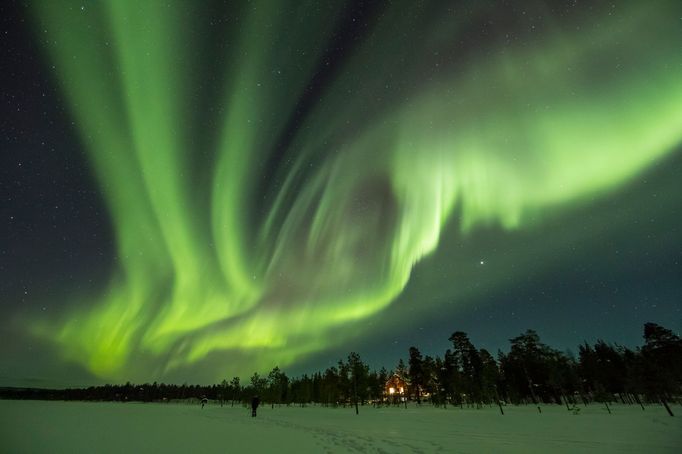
<point>196,190</point>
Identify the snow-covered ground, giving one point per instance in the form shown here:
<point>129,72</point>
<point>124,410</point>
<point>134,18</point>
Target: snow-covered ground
<point>75,427</point>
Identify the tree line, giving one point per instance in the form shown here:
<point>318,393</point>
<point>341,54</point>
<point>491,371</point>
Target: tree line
<point>531,372</point>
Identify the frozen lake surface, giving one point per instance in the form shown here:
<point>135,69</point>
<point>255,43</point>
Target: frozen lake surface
<point>89,427</point>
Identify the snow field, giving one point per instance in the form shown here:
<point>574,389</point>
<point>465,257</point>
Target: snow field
<point>89,427</point>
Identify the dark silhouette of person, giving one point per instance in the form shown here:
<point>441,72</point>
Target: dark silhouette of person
<point>204,401</point>
<point>255,401</point>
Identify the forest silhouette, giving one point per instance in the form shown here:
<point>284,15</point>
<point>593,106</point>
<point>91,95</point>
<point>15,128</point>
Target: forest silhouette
<point>531,372</point>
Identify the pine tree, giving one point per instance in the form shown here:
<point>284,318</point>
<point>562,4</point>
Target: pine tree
<point>416,372</point>
<point>662,363</point>
<point>236,389</point>
<point>359,372</point>
<point>468,363</point>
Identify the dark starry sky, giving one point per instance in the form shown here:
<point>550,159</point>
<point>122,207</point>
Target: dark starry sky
<point>599,266</point>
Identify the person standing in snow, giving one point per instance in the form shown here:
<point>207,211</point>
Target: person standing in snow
<point>255,401</point>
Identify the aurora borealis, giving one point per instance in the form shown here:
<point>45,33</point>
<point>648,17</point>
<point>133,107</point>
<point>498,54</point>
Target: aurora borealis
<point>275,173</point>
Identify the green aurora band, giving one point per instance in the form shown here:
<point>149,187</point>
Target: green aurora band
<point>206,264</point>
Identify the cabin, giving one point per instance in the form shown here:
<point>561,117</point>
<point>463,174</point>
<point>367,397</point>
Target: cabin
<point>396,386</point>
